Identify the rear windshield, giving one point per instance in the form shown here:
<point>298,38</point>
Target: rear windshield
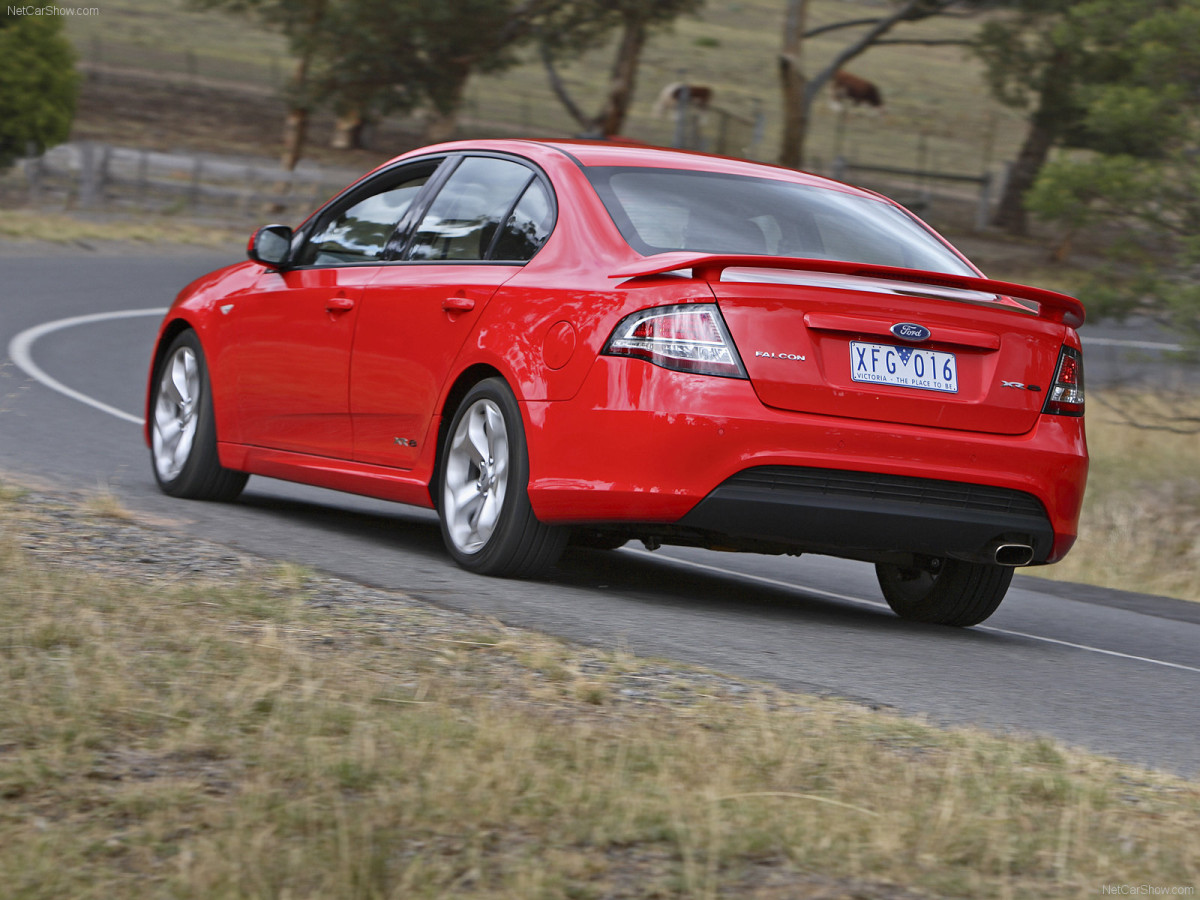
<point>659,210</point>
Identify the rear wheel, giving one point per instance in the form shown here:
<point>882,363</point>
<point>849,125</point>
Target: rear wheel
<point>183,433</point>
<point>487,522</point>
<point>944,591</point>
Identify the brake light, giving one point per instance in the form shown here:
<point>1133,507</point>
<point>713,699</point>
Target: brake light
<point>688,338</point>
<point>1066,395</point>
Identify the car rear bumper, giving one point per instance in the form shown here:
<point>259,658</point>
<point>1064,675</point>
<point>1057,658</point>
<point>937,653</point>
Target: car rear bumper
<point>863,514</point>
<point>641,444</point>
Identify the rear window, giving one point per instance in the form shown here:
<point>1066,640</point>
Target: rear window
<point>660,210</point>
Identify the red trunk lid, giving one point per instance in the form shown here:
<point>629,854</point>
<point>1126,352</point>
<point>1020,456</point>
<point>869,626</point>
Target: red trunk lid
<point>888,350</point>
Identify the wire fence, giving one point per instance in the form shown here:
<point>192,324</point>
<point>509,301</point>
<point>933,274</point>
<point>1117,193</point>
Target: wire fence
<point>97,176</point>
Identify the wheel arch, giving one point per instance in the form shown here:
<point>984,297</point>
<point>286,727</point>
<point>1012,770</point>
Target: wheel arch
<point>467,379</point>
<point>167,334</point>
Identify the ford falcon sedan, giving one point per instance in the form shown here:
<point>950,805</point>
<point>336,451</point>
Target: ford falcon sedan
<point>557,341</point>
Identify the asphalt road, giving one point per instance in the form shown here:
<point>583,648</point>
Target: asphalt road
<point>1114,672</point>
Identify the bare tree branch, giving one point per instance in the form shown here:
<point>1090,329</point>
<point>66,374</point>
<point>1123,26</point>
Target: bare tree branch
<point>561,92</point>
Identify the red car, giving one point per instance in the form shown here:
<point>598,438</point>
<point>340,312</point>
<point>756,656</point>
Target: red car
<point>557,341</point>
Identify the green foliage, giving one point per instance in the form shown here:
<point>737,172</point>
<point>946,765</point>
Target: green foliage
<point>1141,173</point>
<point>37,85</point>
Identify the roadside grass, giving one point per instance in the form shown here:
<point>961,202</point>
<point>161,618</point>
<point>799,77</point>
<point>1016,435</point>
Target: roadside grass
<point>20,225</point>
<point>258,736</point>
<point>1140,527</point>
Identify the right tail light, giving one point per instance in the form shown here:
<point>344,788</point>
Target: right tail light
<point>1066,394</point>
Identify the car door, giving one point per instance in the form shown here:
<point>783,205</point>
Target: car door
<point>294,329</point>
<point>488,218</point>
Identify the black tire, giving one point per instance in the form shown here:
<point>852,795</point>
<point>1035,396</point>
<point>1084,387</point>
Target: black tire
<point>944,591</point>
<point>482,489</point>
<point>183,433</point>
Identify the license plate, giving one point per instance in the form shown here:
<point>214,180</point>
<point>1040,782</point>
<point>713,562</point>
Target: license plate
<point>927,370</point>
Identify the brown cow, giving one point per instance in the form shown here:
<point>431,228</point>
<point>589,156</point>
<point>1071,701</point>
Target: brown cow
<point>698,96</point>
<point>849,88</point>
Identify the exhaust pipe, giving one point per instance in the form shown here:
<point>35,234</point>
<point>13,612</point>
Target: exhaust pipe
<point>1012,554</point>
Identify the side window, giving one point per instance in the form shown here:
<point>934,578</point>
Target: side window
<point>359,233</point>
<point>528,227</point>
<point>462,220</point>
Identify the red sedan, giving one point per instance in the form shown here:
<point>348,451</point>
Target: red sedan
<point>557,341</point>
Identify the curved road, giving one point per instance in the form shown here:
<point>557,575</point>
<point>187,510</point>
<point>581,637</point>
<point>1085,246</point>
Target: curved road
<point>1113,672</point>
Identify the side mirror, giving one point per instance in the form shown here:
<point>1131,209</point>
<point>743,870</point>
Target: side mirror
<point>271,246</point>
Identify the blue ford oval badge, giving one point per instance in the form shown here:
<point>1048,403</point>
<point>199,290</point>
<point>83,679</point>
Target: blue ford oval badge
<point>907,331</point>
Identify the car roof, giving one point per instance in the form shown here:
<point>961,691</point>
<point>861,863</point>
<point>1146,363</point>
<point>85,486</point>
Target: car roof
<point>589,153</point>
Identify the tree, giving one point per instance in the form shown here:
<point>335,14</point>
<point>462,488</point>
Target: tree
<point>363,56</point>
<point>454,39</point>
<point>578,25</point>
<point>38,85</point>
<point>799,91</point>
<point>1039,59</point>
<point>303,23</point>
<point>1143,134</point>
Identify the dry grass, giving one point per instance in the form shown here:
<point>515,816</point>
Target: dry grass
<point>143,228</point>
<point>1140,528</point>
<point>234,740</point>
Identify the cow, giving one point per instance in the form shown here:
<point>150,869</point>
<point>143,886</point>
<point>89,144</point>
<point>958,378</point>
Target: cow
<point>698,96</point>
<point>857,91</point>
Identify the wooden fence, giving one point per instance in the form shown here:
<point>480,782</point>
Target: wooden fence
<point>95,176</point>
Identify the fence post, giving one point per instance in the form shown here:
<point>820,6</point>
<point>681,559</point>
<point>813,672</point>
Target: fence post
<point>983,212</point>
<point>33,172</point>
<point>87,174</point>
<point>194,190</point>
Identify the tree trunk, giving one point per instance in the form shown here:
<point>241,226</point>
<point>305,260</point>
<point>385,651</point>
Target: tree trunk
<point>442,122</point>
<point>295,125</point>
<point>624,76</point>
<point>348,131</point>
<point>1010,214</point>
<point>792,82</point>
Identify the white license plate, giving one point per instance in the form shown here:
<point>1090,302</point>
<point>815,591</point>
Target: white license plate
<point>928,370</point>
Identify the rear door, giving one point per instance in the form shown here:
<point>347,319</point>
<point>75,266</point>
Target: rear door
<point>489,217</point>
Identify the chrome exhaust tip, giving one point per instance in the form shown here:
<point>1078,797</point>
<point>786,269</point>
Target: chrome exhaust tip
<point>1012,554</point>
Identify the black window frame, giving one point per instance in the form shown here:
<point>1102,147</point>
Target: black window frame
<point>369,187</point>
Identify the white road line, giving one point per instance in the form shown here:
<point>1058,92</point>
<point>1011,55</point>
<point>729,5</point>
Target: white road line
<point>20,347</point>
<point>19,351</point>
<point>880,605</point>
<point>1131,345</point>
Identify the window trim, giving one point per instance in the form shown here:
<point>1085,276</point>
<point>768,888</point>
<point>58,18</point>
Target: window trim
<point>410,228</point>
<point>400,240</point>
<point>366,187</point>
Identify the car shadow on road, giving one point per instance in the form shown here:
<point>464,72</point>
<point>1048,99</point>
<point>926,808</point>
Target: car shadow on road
<point>618,575</point>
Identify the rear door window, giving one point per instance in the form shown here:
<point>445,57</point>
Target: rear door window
<point>489,208</point>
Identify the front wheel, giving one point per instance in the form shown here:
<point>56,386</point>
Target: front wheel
<point>487,523</point>
<point>944,591</point>
<point>183,433</point>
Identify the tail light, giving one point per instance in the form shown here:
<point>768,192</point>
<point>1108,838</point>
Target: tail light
<point>1066,395</point>
<point>689,338</point>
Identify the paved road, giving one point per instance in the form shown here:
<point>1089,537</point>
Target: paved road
<point>1117,673</point>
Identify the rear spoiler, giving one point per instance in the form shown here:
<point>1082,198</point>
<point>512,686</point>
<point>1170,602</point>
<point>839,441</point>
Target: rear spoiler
<point>708,267</point>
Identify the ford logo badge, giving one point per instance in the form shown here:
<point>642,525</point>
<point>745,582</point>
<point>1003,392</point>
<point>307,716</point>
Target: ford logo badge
<point>907,331</point>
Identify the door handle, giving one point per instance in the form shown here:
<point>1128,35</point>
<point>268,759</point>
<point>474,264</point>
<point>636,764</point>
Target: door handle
<point>458,304</point>
<point>339,304</point>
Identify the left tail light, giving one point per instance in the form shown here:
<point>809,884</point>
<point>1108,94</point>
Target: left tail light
<point>1066,394</point>
<point>687,338</point>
